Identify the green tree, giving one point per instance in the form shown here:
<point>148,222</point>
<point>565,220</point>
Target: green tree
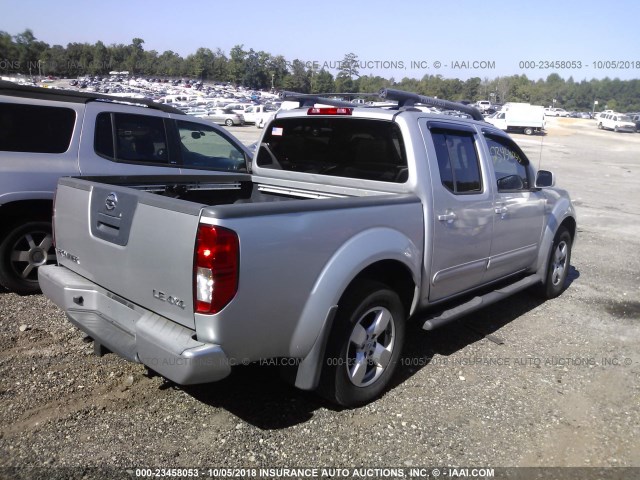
<point>29,51</point>
<point>170,64</point>
<point>299,80</point>
<point>372,84</point>
<point>219,66</point>
<point>345,81</point>
<point>471,89</point>
<point>277,70</point>
<point>8,53</point>
<point>134,59</point>
<point>322,82</point>
<point>100,61</point>
<point>236,68</point>
<point>256,73</point>
<point>56,61</point>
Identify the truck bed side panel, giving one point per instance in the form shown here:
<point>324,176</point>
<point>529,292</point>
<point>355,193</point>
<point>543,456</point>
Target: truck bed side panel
<point>284,256</point>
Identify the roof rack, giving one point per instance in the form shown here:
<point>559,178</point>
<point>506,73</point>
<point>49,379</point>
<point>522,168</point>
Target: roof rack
<point>25,91</point>
<point>309,100</point>
<point>405,100</point>
<point>408,100</point>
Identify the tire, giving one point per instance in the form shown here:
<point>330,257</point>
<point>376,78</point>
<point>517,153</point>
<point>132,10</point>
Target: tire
<point>558,264</point>
<point>528,131</point>
<point>364,346</point>
<point>25,247</point>
<point>228,122</point>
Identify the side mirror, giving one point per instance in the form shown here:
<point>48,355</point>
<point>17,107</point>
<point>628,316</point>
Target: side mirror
<point>545,178</point>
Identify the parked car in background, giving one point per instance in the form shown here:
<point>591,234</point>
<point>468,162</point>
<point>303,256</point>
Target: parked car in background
<point>636,119</point>
<point>599,115</point>
<point>255,113</point>
<point>483,105</point>
<point>556,112</point>
<point>225,116</point>
<point>617,122</point>
<point>239,108</point>
<point>198,112</point>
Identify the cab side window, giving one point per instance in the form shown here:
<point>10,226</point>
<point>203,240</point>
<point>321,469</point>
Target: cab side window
<point>510,165</point>
<point>457,161</point>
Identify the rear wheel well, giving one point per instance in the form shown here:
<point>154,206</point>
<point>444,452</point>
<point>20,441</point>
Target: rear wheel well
<point>393,274</point>
<point>24,211</point>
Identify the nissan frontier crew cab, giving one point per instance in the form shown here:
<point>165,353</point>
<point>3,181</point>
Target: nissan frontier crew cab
<point>350,222</point>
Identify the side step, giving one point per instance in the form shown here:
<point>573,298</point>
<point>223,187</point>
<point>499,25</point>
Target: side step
<point>479,302</point>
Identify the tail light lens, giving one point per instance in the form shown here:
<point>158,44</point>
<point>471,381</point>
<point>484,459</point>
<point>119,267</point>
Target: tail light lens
<point>215,268</point>
<point>53,217</point>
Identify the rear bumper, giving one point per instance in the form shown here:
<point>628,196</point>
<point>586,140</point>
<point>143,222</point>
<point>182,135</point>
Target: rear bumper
<point>133,332</point>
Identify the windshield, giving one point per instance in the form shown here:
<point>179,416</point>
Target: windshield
<point>337,146</point>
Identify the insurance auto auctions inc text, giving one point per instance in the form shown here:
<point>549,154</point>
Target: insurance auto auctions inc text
<point>348,473</point>
<point>399,64</point>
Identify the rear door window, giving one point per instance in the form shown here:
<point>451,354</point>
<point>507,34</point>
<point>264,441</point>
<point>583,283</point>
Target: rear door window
<point>457,161</point>
<point>36,129</point>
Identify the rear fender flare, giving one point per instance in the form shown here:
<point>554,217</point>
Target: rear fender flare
<point>361,251</point>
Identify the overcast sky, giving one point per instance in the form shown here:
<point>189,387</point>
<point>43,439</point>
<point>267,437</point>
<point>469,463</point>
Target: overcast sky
<point>458,39</point>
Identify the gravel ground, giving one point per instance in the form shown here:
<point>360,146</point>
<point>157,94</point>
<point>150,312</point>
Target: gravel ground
<point>522,383</point>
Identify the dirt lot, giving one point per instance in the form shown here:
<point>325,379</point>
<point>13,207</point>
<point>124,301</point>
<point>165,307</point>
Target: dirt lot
<point>560,389</point>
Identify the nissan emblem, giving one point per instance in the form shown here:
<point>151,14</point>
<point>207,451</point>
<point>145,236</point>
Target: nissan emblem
<point>111,201</point>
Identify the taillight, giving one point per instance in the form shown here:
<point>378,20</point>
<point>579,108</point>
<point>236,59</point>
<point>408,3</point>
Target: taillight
<point>329,111</point>
<point>215,268</point>
<point>53,218</point>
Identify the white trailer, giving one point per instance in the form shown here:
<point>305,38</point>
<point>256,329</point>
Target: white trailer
<point>519,117</point>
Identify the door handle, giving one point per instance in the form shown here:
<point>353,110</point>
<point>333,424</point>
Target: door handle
<point>501,210</point>
<point>447,217</point>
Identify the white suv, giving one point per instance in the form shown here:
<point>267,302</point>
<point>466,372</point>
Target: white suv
<point>617,122</point>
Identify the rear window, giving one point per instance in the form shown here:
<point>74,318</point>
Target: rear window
<point>36,129</point>
<point>342,147</point>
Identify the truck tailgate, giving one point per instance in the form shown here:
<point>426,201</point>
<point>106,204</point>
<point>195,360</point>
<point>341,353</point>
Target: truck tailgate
<point>131,243</point>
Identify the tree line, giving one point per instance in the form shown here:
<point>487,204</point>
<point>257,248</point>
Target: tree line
<point>25,54</point>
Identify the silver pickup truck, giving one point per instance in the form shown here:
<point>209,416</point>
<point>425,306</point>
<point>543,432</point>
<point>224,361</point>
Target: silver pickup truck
<point>350,222</point>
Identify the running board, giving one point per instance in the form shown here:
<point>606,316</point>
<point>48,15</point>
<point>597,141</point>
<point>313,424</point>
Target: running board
<point>479,302</point>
